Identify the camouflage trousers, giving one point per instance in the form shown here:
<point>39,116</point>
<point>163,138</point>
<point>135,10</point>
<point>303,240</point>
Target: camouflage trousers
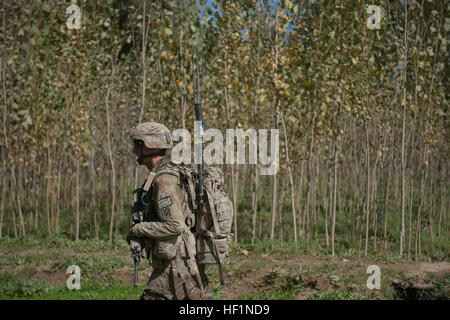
<point>173,280</point>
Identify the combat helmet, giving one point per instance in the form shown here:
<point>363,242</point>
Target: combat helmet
<point>154,136</point>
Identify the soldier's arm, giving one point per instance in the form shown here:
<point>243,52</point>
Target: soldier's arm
<point>168,208</point>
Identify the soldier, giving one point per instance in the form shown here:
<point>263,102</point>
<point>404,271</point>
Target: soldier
<point>165,230</point>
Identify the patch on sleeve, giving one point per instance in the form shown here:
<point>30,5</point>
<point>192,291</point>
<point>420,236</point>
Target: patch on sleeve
<point>165,212</point>
<point>164,202</point>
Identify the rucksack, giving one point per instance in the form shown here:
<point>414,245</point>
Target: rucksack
<point>213,219</point>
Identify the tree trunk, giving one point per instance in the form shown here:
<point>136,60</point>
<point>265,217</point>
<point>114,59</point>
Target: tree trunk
<point>145,30</point>
<point>58,199</point>
<point>13,210</point>
<point>2,204</point>
<point>326,199</point>
<point>300,191</point>
<point>254,202</point>
<point>432,206</point>
<point>113,168</point>
<point>274,187</point>
<point>77,179</point>
<point>402,232</point>
<point>233,177</point>
<point>36,193</point>
<point>333,221</point>
<point>291,180</point>
<point>442,205</point>
<point>417,250</point>
<point>47,198</point>
<point>93,195</point>
<point>367,190</point>
<point>281,205</point>
<point>411,190</point>
<point>374,203</point>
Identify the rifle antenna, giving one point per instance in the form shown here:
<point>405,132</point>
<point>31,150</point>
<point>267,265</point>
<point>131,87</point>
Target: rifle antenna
<point>198,117</point>
<point>193,76</point>
<point>199,79</point>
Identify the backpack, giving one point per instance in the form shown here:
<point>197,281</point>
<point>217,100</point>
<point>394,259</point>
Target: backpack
<point>213,219</point>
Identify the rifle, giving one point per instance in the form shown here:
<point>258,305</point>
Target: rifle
<point>137,218</point>
<point>137,211</point>
<point>137,258</point>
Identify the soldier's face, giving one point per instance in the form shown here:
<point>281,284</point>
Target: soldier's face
<point>141,151</point>
<point>153,160</point>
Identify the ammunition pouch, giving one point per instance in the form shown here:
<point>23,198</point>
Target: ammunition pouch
<point>167,249</point>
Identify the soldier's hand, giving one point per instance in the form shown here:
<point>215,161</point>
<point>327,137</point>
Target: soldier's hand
<point>135,245</point>
<point>134,242</point>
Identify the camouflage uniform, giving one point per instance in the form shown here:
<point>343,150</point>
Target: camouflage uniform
<point>169,242</point>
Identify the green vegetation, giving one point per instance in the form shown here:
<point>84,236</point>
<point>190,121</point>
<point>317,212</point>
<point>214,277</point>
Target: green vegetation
<point>22,269</point>
<point>98,261</point>
<point>11,287</point>
<point>362,116</point>
<point>38,289</point>
<point>337,294</point>
<point>343,99</point>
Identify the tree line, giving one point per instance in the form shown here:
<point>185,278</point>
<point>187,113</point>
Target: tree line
<point>362,114</point>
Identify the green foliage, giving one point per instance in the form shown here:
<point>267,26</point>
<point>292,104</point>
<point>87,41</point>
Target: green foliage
<point>41,290</point>
<point>92,267</point>
<point>11,287</point>
<point>271,295</point>
<point>337,294</point>
<point>98,262</point>
<point>333,79</point>
<point>217,291</point>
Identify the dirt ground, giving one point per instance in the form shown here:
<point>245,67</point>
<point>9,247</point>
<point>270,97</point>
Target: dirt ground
<point>325,273</point>
<point>252,273</point>
<point>247,274</point>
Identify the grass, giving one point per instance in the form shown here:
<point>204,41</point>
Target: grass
<point>274,246</point>
<point>98,260</point>
<point>271,295</point>
<point>41,290</point>
<point>337,294</point>
<point>91,267</point>
<point>21,259</point>
<point>442,286</point>
<point>12,287</point>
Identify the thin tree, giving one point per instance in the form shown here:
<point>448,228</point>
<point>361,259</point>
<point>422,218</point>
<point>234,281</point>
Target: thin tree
<point>291,179</point>
<point>113,168</point>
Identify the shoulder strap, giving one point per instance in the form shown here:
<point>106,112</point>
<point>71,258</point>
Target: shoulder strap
<point>149,181</point>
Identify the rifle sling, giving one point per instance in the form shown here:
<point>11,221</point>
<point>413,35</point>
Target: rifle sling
<point>148,181</point>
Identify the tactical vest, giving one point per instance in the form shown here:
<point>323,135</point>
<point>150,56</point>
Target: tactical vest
<point>210,218</point>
